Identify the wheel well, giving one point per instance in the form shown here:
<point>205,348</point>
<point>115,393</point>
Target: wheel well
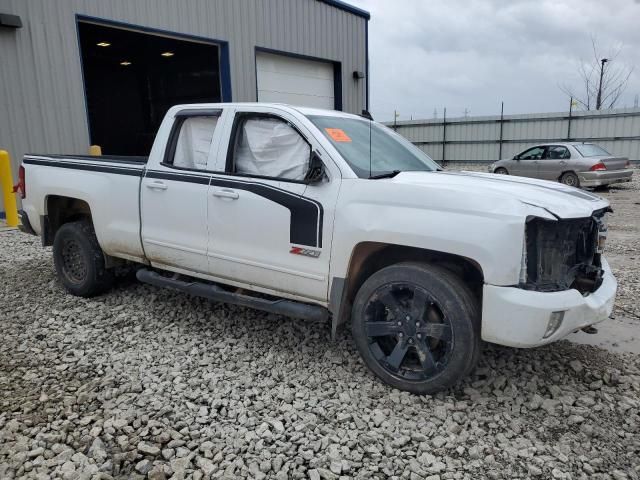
<point>61,210</point>
<point>369,257</point>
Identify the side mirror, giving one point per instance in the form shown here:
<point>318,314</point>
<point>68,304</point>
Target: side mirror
<point>316,169</point>
<point>516,157</point>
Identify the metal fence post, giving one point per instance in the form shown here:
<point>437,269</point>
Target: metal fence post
<point>569,119</point>
<point>444,136</point>
<point>501,124</point>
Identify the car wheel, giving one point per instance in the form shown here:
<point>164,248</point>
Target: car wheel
<point>501,171</point>
<point>79,260</point>
<point>570,179</point>
<point>416,327</point>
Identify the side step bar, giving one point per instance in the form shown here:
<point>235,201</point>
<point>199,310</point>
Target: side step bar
<point>288,308</point>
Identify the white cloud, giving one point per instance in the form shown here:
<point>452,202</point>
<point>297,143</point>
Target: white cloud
<point>473,54</point>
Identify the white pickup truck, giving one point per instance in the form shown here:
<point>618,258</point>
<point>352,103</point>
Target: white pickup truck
<point>324,215</point>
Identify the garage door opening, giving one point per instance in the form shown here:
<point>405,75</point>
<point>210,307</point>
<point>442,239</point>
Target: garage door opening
<point>132,78</point>
<point>298,80</point>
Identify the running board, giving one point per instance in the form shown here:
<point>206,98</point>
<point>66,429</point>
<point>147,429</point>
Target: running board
<point>288,308</point>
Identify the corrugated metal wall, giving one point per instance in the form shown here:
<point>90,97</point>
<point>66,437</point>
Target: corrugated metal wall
<point>42,104</point>
<point>478,138</point>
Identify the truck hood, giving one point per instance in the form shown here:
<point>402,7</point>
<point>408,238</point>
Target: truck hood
<point>558,199</point>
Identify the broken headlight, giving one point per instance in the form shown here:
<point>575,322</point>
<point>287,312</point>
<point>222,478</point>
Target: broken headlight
<point>563,254</point>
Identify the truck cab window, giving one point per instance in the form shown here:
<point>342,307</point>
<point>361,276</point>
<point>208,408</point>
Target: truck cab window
<point>270,147</point>
<point>194,142</point>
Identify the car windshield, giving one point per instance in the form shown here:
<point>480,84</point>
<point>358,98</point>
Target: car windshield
<point>372,149</point>
<point>591,150</point>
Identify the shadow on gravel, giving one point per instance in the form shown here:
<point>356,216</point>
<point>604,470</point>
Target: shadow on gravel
<point>141,362</point>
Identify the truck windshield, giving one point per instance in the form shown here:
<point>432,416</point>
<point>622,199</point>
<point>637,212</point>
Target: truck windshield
<point>591,150</point>
<point>372,149</point>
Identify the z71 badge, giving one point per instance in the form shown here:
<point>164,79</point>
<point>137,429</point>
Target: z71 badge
<point>305,251</point>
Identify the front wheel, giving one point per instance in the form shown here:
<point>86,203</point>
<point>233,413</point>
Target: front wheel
<point>79,260</point>
<point>501,171</point>
<point>416,327</point>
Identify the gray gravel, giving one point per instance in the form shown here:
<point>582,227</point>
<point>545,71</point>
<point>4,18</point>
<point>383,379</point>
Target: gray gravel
<point>149,383</point>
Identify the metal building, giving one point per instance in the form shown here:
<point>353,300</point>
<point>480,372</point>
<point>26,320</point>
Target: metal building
<point>79,72</point>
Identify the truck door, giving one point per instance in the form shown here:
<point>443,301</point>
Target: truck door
<point>267,227</point>
<point>173,195</point>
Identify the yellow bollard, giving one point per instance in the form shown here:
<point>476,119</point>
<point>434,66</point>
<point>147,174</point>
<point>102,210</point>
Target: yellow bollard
<point>6,185</point>
<point>95,150</point>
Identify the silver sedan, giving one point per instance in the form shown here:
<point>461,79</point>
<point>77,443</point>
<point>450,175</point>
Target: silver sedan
<point>572,163</point>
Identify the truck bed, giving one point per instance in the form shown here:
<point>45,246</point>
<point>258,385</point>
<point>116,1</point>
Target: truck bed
<point>108,184</point>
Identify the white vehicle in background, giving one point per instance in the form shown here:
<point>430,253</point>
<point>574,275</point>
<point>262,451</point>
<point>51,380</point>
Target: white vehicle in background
<point>324,215</point>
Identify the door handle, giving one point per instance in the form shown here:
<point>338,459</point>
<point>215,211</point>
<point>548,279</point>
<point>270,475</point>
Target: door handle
<point>157,185</point>
<point>226,193</point>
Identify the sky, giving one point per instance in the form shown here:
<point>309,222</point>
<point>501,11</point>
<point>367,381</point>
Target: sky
<point>470,55</point>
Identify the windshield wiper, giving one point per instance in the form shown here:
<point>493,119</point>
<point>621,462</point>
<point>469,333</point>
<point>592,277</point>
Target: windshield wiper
<point>385,175</point>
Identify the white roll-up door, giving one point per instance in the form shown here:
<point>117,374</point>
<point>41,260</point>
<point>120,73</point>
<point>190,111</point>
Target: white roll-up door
<point>295,81</point>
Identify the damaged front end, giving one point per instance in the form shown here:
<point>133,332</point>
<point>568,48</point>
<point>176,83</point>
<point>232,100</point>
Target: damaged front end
<point>564,254</point>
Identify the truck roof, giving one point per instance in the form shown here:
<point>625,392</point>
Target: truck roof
<point>303,110</point>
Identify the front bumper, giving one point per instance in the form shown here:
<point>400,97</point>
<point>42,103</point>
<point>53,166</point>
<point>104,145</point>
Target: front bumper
<point>604,177</point>
<point>518,318</point>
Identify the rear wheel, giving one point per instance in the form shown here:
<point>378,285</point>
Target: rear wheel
<point>501,171</point>
<point>79,260</point>
<point>570,179</point>
<point>416,327</point>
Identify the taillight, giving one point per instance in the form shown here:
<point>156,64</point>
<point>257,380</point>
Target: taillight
<point>598,166</point>
<point>21,186</point>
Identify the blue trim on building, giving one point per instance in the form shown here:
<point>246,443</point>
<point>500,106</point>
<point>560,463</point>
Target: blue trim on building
<point>337,71</point>
<point>348,8</point>
<point>366,62</point>
<point>225,72</point>
<point>84,83</point>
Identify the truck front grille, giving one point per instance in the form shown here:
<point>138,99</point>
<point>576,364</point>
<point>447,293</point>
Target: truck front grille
<point>564,254</point>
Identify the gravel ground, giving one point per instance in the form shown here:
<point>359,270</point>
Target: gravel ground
<point>144,382</point>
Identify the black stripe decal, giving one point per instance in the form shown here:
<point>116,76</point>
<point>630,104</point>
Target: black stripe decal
<point>133,171</point>
<point>124,159</point>
<point>179,177</point>
<point>306,214</point>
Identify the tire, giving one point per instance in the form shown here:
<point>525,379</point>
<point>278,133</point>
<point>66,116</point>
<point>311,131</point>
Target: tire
<point>79,260</point>
<point>570,179</point>
<point>422,347</point>
<point>501,171</point>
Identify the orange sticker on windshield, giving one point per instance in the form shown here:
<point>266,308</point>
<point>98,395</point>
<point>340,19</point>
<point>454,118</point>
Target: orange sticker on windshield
<point>338,135</point>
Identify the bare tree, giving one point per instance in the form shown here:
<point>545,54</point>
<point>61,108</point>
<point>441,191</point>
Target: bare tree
<point>603,78</point>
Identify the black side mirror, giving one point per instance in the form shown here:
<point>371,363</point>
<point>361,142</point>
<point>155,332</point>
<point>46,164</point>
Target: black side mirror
<point>516,157</point>
<point>316,169</point>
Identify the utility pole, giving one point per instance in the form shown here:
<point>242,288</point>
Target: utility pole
<point>599,97</point>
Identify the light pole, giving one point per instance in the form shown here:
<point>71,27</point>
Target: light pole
<point>599,97</point>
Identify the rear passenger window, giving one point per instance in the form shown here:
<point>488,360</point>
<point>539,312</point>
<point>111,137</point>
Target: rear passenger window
<point>266,146</point>
<point>194,142</point>
<point>557,153</point>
